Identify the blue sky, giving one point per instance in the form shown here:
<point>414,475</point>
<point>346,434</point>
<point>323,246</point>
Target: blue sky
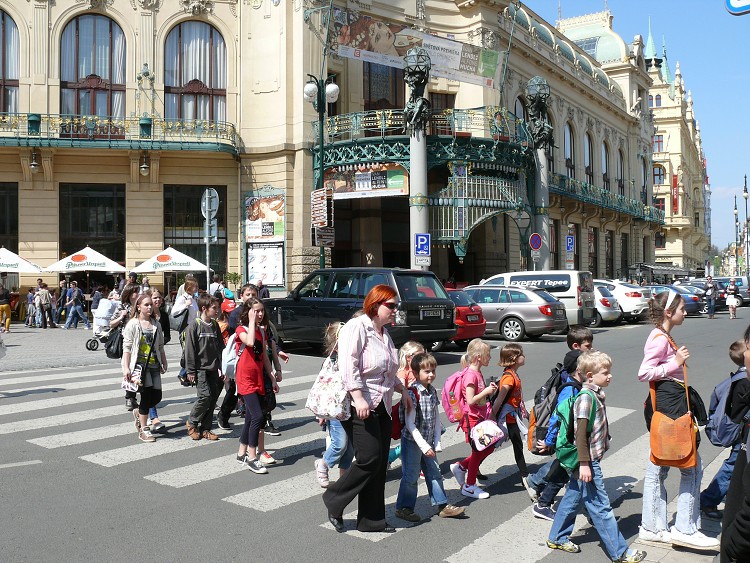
<point>708,42</point>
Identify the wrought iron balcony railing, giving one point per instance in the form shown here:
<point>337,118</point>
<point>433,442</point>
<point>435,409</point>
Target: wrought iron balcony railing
<point>34,129</point>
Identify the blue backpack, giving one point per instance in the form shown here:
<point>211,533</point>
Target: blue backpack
<point>721,430</point>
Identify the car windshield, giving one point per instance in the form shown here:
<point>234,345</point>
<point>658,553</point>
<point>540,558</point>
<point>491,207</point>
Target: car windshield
<point>414,285</point>
<point>460,299</point>
<point>630,286</point>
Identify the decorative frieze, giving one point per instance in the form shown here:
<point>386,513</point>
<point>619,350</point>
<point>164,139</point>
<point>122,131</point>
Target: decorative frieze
<point>194,7</point>
<point>146,4</point>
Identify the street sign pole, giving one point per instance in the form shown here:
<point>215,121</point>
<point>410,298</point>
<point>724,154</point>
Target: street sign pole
<point>207,233</point>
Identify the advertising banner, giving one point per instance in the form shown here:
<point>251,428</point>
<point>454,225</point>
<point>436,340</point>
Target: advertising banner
<point>675,194</point>
<point>265,261</point>
<point>377,180</point>
<point>372,40</point>
<point>264,218</point>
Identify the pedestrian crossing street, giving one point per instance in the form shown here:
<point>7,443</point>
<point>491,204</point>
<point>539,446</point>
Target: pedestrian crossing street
<point>83,410</point>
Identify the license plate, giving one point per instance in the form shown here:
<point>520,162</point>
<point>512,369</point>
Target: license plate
<point>432,313</point>
<point>472,318</point>
<point>559,314</point>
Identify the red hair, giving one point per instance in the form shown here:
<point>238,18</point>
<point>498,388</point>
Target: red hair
<point>376,296</point>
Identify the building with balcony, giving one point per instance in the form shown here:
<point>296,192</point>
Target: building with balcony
<point>116,115</point>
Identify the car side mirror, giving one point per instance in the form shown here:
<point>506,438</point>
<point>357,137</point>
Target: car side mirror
<point>294,294</point>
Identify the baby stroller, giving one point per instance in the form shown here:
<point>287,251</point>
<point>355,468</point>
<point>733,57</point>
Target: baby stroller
<point>102,316</point>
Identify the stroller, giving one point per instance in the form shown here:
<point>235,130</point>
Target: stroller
<point>102,316</point>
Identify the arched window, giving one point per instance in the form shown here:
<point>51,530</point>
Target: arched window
<point>650,101</point>
<point>9,64</point>
<point>620,173</point>
<point>588,165</point>
<point>195,73</point>
<point>569,148</point>
<point>519,109</point>
<point>644,181</point>
<point>92,67</point>
<point>658,100</point>
<point>659,175</point>
<point>550,149</point>
<point>605,165</point>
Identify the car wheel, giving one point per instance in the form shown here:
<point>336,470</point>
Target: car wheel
<point>704,309</point>
<point>597,320</point>
<point>512,330</point>
<point>740,301</point>
<point>438,346</point>
<point>633,320</point>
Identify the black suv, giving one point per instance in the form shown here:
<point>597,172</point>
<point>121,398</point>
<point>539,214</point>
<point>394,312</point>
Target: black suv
<point>425,313</point>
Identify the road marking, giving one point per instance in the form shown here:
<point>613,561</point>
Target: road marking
<point>56,388</point>
<point>76,373</point>
<point>34,372</point>
<point>21,464</point>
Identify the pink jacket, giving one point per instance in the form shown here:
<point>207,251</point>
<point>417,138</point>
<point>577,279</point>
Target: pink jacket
<point>659,359</point>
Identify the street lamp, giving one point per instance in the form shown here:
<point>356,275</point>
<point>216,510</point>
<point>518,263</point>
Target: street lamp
<point>747,226</point>
<point>736,237</point>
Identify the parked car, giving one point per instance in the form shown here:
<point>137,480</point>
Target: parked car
<point>721,295</point>
<point>425,313</point>
<point>573,287</point>
<point>515,312</point>
<point>633,299</point>
<point>742,283</point>
<point>607,307</point>
<point>693,303</point>
<point>470,321</point>
<point>699,294</point>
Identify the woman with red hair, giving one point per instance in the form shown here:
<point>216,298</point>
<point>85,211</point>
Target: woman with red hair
<point>368,363</point>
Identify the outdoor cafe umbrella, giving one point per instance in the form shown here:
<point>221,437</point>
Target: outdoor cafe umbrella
<point>85,260</point>
<point>169,260</point>
<point>12,262</point>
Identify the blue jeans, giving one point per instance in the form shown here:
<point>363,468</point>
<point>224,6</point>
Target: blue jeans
<point>711,302</point>
<point>340,451</point>
<point>596,501</point>
<point>75,312</point>
<point>152,414</point>
<point>538,480</point>
<point>412,461</point>
<point>655,519</point>
<point>717,489</point>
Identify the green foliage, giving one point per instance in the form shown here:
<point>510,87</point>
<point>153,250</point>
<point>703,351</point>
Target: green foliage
<point>234,278</point>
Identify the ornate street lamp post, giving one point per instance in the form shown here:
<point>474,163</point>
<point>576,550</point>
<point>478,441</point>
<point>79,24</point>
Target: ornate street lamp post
<point>747,227</point>
<point>736,239</point>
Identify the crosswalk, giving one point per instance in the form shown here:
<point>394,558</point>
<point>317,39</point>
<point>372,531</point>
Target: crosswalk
<point>82,410</point>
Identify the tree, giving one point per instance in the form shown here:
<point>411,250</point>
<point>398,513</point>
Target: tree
<point>233,278</point>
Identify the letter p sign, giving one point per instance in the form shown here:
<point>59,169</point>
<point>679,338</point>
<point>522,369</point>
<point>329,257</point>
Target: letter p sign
<point>422,244</point>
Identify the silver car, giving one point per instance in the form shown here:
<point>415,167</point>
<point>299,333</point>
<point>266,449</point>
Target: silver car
<point>514,312</point>
<point>607,307</point>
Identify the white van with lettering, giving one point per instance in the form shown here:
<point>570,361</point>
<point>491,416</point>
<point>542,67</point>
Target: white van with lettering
<point>574,288</point>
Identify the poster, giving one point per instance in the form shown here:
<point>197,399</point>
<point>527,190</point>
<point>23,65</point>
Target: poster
<point>372,40</point>
<point>265,261</point>
<point>375,180</point>
<point>264,218</point>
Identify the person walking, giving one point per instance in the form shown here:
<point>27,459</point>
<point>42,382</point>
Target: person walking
<point>160,316</point>
<point>732,291</point>
<point>711,290</point>
<point>5,307</point>
<point>75,310</point>
<point>368,363</point>
<point>45,306</point>
<point>120,317</point>
<point>61,299</point>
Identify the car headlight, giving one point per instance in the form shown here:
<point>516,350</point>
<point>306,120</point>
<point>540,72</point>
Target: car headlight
<point>400,318</point>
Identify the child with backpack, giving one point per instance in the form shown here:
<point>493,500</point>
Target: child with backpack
<point>420,439</point>
<point>407,377</point>
<point>728,411</point>
<point>509,401</point>
<point>473,396</point>
<point>587,416</point>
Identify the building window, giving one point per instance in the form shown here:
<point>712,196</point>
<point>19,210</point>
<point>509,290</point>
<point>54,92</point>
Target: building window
<point>660,240</point>
<point>549,151</point>
<point>659,175</point>
<point>522,116</point>
<point>554,254</point>
<point>588,151</point>
<point>569,148</point>
<point>195,73</point>
<point>620,173</point>
<point>605,166</point>
<point>609,254</point>
<point>659,203</point>
<point>593,246</point>
<point>183,223</point>
<point>624,253</point>
<point>9,64</point>
<point>697,220</point>
<point>644,182</point>
<point>94,215</point>
<point>658,143</point>
<point>92,67</point>
<point>658,100</point>
<point>383,87</point>
<point>9,216</point>
<point>441,102</point>
<point>650,101</point>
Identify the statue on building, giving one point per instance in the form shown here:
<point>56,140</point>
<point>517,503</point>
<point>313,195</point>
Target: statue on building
<point>417,74</point>
<point>537,95</point>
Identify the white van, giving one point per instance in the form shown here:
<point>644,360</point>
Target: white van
<point>574,288</point>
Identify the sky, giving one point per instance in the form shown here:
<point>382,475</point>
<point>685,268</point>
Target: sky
<point>704,37</point>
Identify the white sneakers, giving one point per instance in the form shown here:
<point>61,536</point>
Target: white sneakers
<point>473,491</point>
<point>657,539</point>
<point>698,541</point>
<point>459,473</point>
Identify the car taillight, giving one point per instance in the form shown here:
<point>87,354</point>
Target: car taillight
<point>633,294</point>
<point>545,310</point>
<point>604,301</point>
<point>694,298</point>
<point>578,291</point>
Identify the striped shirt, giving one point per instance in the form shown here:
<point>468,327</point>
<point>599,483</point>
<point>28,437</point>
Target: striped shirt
<point>422,425</point>
<point>598,439</point>
<point>368,361</point>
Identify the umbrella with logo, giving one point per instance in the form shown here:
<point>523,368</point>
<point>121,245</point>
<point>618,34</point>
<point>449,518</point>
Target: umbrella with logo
<point>169,260</point>
<point>12,262</point>
<point>85,260</point>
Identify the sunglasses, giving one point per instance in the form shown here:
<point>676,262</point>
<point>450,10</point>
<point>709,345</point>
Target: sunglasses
<point>390,305</point>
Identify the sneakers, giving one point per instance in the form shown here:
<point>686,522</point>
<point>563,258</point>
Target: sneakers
<point>223,424</point>
<point>208,435</point>
<point>657,539</point>
<point>157,427</point>
<point>459,473</point>
<point>568,546</point>
<point>137,418</point>
<point>271,430</point>
<point>697,541</point>
<point>242,459</point>
<point>146,436</point>
<point>321,472</point>
<point>131,404</point>
<point>543,512</point>
<point>631,556</point>
<point>408,514</point>
<point>473,491</point>
<point>255,466</point>
<point>193,432</point>
<point>451,511</point>
<point>533,495</point>
<point>267,459</point>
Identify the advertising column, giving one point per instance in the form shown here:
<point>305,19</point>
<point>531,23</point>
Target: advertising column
<point>265,236</point>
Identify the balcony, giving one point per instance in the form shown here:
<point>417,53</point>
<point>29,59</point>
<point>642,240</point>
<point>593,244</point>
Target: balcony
<point>588,193</point>
<point>138,133</point>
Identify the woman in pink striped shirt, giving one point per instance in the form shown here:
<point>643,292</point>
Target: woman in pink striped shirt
<point>368,363</point>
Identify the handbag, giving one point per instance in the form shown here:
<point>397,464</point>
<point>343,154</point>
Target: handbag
<point>178,322</point>
<point>113,347</point>
<point>328,398</point>
<point>673,441</point>
<point>485,434</point>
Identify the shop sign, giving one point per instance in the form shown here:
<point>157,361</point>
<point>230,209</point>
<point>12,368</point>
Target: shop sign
<point>375,180</point>
<point>264,218</point>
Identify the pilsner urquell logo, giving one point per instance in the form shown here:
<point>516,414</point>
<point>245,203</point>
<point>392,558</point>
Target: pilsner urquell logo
<point>8,265</point>
<point>80,260</point>
<point>164,261</point>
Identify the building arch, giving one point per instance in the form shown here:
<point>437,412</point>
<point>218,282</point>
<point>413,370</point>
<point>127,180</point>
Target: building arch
<point>659,175</point>
<point>588,157</point>
<point>10,64</point>
<point>24,39</point>
<point>569,149</point>
<point>606,172</point>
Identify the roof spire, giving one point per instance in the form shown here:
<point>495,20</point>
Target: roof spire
<point>667,73</point>
<point>650,53</point>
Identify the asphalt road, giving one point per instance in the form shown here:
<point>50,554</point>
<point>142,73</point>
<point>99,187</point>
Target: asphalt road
<point>76,484</point>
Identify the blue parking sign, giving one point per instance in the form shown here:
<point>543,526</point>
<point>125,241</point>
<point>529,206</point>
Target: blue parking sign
<point>422,244</point>
<point>570,243</point>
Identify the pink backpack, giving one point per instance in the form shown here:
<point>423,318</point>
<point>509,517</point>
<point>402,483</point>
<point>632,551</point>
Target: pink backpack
<point>454,384</point>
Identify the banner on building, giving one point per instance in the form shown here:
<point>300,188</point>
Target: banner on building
<point>675,194</point>
<point>265,261</point>
<point>372,40</point>
<point>264,218</point>
<point>374,180</point>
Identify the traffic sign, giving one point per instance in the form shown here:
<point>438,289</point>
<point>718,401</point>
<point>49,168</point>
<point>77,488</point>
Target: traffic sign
<point>570,243</point>
<point>422,244</point>
<point>536,255</point>
<point>422,260</point>
<point>324,236</point>
<point>535,241</point>
<point>209,203</point>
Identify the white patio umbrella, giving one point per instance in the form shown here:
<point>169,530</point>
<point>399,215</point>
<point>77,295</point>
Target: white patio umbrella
<point>169,260</point>
<point>85,260</point>
<point>12,262</point>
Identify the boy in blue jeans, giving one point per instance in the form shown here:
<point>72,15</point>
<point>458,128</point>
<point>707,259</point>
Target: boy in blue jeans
<point>587,483</point>
<point>420,439</point>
